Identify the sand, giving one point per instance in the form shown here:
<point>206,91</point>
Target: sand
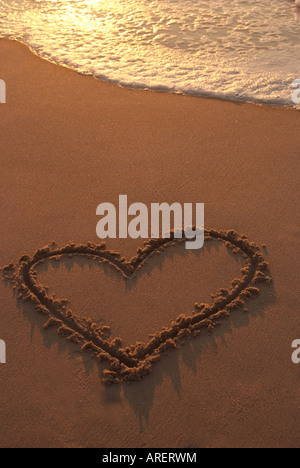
<point>70,142</point>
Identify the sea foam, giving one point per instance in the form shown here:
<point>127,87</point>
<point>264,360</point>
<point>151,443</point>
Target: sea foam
<point>234,49</point>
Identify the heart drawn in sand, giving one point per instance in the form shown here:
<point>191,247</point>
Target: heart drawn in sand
<point>133,362</point>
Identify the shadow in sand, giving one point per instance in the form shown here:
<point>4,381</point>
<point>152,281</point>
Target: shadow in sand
<point>140,395</point>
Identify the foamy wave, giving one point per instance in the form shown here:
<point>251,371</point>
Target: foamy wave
<point>233,49</point>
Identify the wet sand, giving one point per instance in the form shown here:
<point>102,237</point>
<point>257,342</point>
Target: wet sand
<point>70,142</point>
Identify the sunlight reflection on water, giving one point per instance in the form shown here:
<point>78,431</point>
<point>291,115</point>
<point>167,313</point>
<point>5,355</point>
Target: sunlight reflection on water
<point>241,49</point>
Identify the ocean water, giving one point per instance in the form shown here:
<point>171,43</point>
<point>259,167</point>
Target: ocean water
<point>233,49</point>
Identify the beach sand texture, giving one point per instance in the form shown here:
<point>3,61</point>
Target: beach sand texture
<point>70,142</point>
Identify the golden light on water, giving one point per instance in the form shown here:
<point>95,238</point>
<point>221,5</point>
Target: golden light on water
<point>221,48</point>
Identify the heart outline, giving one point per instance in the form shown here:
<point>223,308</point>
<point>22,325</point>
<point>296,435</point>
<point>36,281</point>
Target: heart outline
<point>135,361</point>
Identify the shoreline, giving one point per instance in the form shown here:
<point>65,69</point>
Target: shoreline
<point>70,142</point>
<point>162,89</point>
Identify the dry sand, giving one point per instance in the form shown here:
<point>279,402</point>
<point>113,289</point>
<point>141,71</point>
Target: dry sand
<point>68,143</point>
